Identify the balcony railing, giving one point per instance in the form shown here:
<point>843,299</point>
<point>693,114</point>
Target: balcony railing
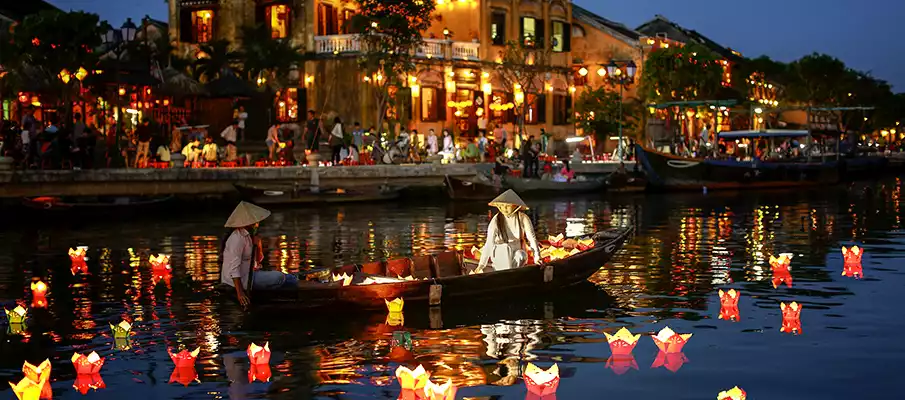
<point>431,48</point>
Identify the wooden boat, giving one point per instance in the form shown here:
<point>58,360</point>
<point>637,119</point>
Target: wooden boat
<point>535,186</point>
<point>277,195</point>
<point>673,172</point>
<point>626,182</point>
<point>51,203</point>
<point>442,277</point>
<point>469,189</point>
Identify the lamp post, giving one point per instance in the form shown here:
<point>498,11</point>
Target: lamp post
<point>116,41</point>
<point>616,74</point>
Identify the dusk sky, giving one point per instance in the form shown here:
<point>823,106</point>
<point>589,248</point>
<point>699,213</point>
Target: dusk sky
<point>863,33</point>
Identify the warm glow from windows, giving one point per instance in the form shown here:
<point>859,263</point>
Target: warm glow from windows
<point>278,18</point>
<point>203,26</point>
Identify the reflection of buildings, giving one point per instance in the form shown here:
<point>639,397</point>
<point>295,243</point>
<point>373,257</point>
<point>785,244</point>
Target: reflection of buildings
<point>512,339</point>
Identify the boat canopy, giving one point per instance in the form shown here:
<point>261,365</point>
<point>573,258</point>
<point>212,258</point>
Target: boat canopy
<point>769,133</point>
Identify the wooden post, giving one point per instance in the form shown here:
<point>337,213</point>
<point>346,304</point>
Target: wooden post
<point>436,293</point>
<point>548,273</point>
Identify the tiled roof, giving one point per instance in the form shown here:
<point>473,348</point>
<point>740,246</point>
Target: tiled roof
<point>651,28</point>
<point>588,17</point>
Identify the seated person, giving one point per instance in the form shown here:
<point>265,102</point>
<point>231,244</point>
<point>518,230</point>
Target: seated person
<point>209,151</point>
<point>192,151</point>
<point>353,154</point>
<point>163,154</point>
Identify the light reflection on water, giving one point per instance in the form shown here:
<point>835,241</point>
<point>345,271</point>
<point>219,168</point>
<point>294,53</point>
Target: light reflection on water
<point>686,247</point>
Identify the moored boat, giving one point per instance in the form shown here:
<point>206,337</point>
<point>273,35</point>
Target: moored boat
<point>52,203</point>
<point>536,186</point>
<point>439,279</point>
<point>469,189</point>
<point>285,195</point>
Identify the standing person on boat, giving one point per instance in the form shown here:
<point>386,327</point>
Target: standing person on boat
<point>509,235</point>
<point>242,255</point>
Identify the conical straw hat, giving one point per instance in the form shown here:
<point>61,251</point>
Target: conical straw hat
<point>509,197</point>
<point>246,214</point>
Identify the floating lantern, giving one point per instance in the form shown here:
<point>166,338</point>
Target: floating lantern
<point>122,344</point>
<point>184,359</point>
<point>781,269</point>
<point>87,365</point>
<point>852,262</point>
<point>346,279</point>
<point>83,383</point>
<point>853,271</point>
<point>17,316</point>
<point>121,330</point>
<point>395,319</point>
<point>791,318</point>
<point>39,373</point>
<point>541,382</point>
<point>446,391</point>
<point>412,379</point>
<point>38,294</point>
<point>669,341</point>
<point>28,389</point>
<point>160,268</point>
<point>729,305</point>
<point>735,393</point>
<point>584,244</point>
<point>258,354</point>
<point>77,256</point>
<point>184,375</point>
<point>395,305</point>
<point>623,342</point>
<point>16,329</point>
<point>621,363</point>
<point>259,372</point>
<point>556,241</point>
<point>671,361</point>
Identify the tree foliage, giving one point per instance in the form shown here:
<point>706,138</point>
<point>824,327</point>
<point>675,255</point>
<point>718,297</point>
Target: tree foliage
<point>50,41</point>
<point>264,56</point>
<point>690,72</point>
<point>597,110</point>
<point>217,60</point>
<point>525,67</point>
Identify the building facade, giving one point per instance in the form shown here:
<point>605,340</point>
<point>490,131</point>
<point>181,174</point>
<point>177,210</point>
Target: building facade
<point>455,83</point>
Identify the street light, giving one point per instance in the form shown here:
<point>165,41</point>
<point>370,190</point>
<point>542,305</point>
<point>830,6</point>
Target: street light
<point>615,73</point>
<point>115,41</point>
<point>128,30</point>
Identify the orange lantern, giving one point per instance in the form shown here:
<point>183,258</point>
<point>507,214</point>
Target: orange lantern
<point>621,363</point>
<point>258,354</point>
<point>184,358</point>
<point>446,391</point>
<point>791,318</point>
<point>17,316</point>
<point>623,342</point>
<point>160,268</point>
<point>781,269</point>
<point>671,361</point>
<point>670,342</point>
<point>412,379</point>
<point>77,255</point>
<point>39,373</point>
<point>584,244</point>
<point>87,365</point>
<point>729,305</point>
<point>852,262</point>
<point>28,389</point>
<point>735,393</point>
<point>259,372</point>
<point>556,241</point>
<point>38,294</point>
<point>83,383</point>
<point>541,382</point>
<point>184,375</point>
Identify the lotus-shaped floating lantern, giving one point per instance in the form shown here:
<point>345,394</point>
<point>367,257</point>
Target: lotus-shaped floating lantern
<point>623,342</point>
<point>556,241</point>
<point>345,278</point>
<point>395,319</point>
<point>18,315</point>
<point>396,305</point>
<point>729,305</point>
<point>259,372</point>
<point>258,354</point>
<point>122,344</point>
<point>38,294</point>
<point>585,244</point>
<point>735,393</point>
<point>16,329</point>
<point>852,255</point>
<point>184,375</point>
<point>446,391</point>
<point>27,389</point>
<point>852,271</point>
<point>541,382</point>
<point>184,358</point>
<point>669,341</point>
<point>159,261</point>
<point>77,256</point>
<point>84,383</point>
<point>121,330</point>
<point>412,379</point>
<point>671,361</point>
<point>160,268</point>
<point>621,363</point>
<point>791,318</point>
<point>781,270</point>
<point>87,365</point>
<point>39,373</point>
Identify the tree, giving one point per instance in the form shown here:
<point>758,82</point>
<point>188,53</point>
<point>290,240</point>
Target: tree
<point>390,34</point>
<point>769,70</point>
<point>268,58</point>
<point>679,73</point>
<point>523,68</point>
<point>597,111</point>
<point>819,79</point>
<point>216,60</point>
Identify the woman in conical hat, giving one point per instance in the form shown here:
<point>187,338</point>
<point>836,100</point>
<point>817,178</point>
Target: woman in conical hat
<point>242,255</point>
<point>509,235</point>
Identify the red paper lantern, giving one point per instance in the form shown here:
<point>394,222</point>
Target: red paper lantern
<point>38,294</point>
<point>184,375</point>
<point>184,358</point>
<point>671,361</point>
<point>781,269</point>
<point>258,355</point>
<point>852,262</point>
<point>621,363</point>
<point>791,318</point>
<point>259,372</point>
<point>83,383</point>
<point>541,382</point>
<point>669,341</point>
<point>77,256</point>
<point>729,305</point>
<point>87,365</point>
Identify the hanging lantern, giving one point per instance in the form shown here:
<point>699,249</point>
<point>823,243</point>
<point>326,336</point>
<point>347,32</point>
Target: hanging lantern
<point>23,98</point>
<point>259,372</point>
<point>623,342</point>
<point>395,305</point>
<point>446,391</point>
<point>735,393</point>
<point>258,354</point>
<point>81,74</point>
<point>184,358</point>
<point>64,75</point>
<point>791,318</point>
<point>38,294</point>
<point>346,279</point>
<point>122,91</point>
<point>673,362</point>
<point>184,375</point>
<point>781,270</point>
<point>17,316</point>
<point>412,379</point>
<point>621,363</point>
<point>27,389</point>
<point>84,383</point>
<point>121,330</point>
<point>729,305</point>
<point>39,373</point>
<point>541,382</point>
<point>87,365</point>
<point>669,341</point>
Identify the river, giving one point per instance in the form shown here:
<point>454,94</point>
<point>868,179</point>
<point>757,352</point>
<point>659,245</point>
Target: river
<point>685,248</point>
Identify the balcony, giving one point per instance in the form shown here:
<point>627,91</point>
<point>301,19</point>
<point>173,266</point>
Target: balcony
<point>431,48</point>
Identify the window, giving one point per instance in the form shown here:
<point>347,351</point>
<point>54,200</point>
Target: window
<point>562,105</point>
<point>277,17</point>
<point>327,20</point>
<point>561,37</point>
<point>532,32</point>
<point>500,107</point>
<point>346,25</point>
<point>537,109</point>
<point>433,104</point>
<point>202,26</point>
<point>287,105</point>
<point>498,29</point>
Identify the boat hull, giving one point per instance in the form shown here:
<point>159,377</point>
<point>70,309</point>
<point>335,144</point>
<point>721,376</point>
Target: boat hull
<point>286,196</point>
<point>533,186</point>
<point>668,171</point>
<point>462,189</point>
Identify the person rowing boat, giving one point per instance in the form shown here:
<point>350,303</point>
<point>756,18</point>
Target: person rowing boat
<point>242,250</point>
<point>509,234</point>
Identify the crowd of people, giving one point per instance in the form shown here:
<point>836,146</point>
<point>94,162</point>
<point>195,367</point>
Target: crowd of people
<point>50,144</point>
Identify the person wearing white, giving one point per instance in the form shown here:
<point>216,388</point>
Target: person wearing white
<point>432,145</point>
<point>163,153</point>
<point>229,134</point>
<point>336,140</point>
<point>353,154</point>
<point>191,151</point>
<point>273,139</point>
<point>241,124</point>
<point>448,146</point>
<point>509,234</point>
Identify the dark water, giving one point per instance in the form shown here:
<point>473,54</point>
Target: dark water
<point>687,246</point>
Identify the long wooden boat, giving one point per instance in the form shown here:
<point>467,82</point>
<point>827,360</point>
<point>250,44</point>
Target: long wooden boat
<point>626,183</point>
<point>285,195</point>
<point>104,203</point>
<point>446,275</point>
<point>673,172</point>
<point>534,186</point>
<point>469,189</point>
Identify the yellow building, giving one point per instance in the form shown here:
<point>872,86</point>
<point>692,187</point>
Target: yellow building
<point>455,60</point>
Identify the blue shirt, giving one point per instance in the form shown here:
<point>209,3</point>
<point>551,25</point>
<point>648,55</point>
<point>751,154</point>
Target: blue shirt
<point>358,137</point>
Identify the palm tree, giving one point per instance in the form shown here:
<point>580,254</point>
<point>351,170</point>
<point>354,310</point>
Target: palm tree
<point>216,59</point>
<point>268,58</point>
